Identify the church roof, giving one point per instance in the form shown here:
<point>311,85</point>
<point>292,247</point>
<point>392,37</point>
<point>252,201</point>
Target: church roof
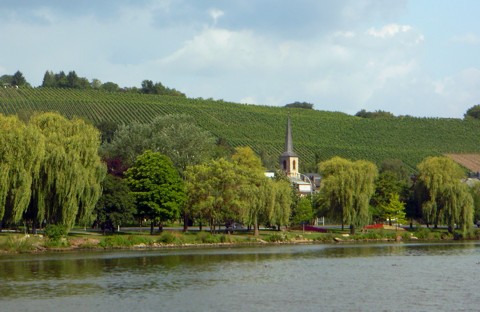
<point>288,142</point>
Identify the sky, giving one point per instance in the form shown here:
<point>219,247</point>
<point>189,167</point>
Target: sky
<point>418,58</point>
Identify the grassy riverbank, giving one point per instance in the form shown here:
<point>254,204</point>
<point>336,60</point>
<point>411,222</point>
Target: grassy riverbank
<point>21,243</point>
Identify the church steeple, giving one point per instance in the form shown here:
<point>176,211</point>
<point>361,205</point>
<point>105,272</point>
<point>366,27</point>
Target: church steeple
<point>288,140</point>
<point>288,159</point>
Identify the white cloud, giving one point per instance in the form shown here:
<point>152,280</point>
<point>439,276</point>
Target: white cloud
<point>324,53</point>
<point>388,31</point>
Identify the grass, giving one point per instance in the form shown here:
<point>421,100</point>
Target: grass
<point>21,243</point>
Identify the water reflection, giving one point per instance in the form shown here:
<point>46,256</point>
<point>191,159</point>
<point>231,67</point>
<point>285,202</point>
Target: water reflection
<point>141,274</point>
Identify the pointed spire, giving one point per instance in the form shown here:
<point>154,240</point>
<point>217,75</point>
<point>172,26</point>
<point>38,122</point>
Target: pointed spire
<point>288,140</point>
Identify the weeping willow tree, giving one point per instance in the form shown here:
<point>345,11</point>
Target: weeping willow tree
<point>71,172</point>
<point>21,150</point>
<point>253,189</point>
<point>347,188</point>
<point>279,203</point>
<point>447,199</point>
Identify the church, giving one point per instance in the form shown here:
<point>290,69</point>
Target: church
<point>289,163</point>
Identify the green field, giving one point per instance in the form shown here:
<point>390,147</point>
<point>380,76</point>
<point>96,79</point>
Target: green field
<point>317,135</point>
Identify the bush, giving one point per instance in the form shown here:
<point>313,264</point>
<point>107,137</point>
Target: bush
<point>277,237</point>
<point>19,244</point>
<point>473,234</point>
<point>55,232</point>
<point>324,237</point>
<point>426,233</point>
<point>167,238</point>
<point>207,238</point>
<point>114,241</point>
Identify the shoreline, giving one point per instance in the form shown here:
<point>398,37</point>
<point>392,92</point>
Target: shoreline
<point>36,244</point>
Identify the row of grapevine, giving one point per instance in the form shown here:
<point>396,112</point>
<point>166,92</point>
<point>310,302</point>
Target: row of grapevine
<point>318,135</point>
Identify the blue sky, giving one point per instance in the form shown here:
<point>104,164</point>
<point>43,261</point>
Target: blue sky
<point>418,58</point>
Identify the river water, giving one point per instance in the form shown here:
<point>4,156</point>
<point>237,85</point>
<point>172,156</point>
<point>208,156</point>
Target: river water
<point>356,277</point>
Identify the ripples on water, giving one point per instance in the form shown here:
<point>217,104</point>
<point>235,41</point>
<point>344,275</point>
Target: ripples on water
<point>360,277</point>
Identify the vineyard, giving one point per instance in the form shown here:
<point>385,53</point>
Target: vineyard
<point>317,135</point>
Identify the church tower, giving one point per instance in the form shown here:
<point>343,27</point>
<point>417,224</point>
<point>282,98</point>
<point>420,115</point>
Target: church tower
<point>288,159</point>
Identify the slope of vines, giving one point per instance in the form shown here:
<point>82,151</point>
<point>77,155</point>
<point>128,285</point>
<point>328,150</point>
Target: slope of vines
<point>317,135</point>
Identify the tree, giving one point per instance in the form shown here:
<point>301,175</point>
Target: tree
<point>445,198</point>
<point>49,80</point>
<point>473,112</point>
<point>110,87</point>
<point>282,199</point>
<point>475,191</point>
<point>178,137</point>
<point>22,149</point>
<point>297,104</point>
<point>71,173</point>
<point>148,87</point>
<point>303,212</point>
<point>129,141</point>
<point>347,188</point>
<point>107,130</point>
<point>394,209</point>
<point>376,114</point>
<point>116,206</point>
<point>157,187</point>
<point>213,192</point>
<point>253,188</point>
<point>175,136</point>
<point>96,84</point>
<point>18,79</point>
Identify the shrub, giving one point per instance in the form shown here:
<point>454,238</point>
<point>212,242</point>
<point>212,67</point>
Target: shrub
<point>324,237</point>
<point>19,244</point>
<point>277,237</point>
<point>55,232</point>
<point>167,238</point>
<point>423,233</point>
<point>124,241</point>
<point>207,238</point>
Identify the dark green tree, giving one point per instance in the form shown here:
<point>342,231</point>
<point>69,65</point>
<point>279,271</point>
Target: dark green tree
<point>473,112</point>
<point>18,79</point>
<point>158,190</point>
<point>49,80</point>
<point>110,87</point>
<point>116,206</point>
<point>303,212</point>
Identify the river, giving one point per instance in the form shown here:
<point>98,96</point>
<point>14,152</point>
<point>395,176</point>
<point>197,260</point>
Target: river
<point>342,277</point>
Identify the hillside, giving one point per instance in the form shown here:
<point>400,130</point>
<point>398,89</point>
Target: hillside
<point>317,135</point>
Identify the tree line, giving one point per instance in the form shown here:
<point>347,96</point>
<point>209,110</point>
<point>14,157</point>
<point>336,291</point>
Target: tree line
<point>71,80</point>
<point>58,171</point>
<point>224,185</point>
